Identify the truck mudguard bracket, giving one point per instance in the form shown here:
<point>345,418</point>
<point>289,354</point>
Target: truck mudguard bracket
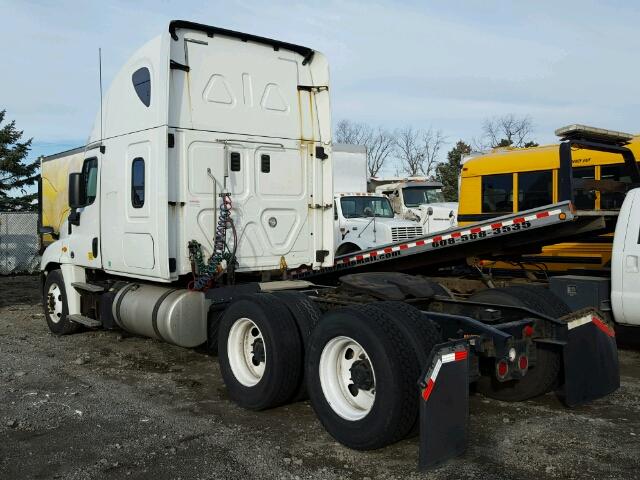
<point>591,368</point>
<point>444,403</point>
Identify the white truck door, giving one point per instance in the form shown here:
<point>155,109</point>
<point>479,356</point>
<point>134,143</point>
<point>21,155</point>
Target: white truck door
<point>84,242</point>
<point>625,293</point>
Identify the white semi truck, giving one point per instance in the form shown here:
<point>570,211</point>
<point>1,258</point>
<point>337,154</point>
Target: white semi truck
<point>362,220</point>
<point>418,199</point>
<point>203,213</point>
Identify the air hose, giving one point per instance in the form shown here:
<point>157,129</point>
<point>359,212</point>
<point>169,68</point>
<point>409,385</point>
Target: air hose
<point>205,274</point>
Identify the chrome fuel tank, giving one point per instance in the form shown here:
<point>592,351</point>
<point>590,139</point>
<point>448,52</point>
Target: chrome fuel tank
<point>176,316</point>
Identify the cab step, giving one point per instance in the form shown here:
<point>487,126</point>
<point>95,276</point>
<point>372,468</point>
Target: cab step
<point>88,287</point>
<point>86,321</point>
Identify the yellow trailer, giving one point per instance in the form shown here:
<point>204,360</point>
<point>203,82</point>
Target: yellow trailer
<point>54,205</point>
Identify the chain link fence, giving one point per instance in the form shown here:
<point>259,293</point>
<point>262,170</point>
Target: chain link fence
<point>19,243</point>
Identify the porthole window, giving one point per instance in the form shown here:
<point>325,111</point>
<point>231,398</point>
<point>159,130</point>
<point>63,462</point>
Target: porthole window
<point>137,182</point>
<point>141,79</point>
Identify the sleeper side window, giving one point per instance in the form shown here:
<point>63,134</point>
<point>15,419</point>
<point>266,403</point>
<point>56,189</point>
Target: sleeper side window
<point>137,182</point>
<point>90,175</point>
<point>497,193</point>
<point>141,80</point>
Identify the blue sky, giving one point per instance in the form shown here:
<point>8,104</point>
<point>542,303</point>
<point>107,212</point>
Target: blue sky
<point>445,64</point>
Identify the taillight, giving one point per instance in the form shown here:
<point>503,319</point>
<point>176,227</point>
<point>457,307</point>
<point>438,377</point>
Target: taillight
<point>527,331</point>
<point>523,362</point>
<point>502,368</point>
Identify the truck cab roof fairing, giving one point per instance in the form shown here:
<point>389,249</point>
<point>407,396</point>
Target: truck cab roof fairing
<point>306,52</point>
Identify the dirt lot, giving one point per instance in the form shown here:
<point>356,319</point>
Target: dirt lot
<point>102,405</point>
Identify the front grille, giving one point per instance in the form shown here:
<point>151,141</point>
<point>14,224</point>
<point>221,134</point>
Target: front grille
<point>399,234</point>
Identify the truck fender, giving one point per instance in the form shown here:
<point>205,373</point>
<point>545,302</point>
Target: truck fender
<point>52,255</point>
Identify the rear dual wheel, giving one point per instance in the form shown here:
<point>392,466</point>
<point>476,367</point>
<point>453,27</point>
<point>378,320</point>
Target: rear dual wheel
<point>362,369</point>
<point>260,352</point>
<point>261,344</point>
<point>362,364</point>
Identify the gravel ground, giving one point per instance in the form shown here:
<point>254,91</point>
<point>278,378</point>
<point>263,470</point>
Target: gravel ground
<point>102,405</point>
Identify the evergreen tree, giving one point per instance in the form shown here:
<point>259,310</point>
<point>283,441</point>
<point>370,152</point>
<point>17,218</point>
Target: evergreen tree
<point>449,171</point>
<point>15,173</point>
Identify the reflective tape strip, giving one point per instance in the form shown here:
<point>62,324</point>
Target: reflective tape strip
<point>591,319</point>
<point>603,326</point>
<point>446,358</point>
<point>426,393</point>
<point>578,322</point>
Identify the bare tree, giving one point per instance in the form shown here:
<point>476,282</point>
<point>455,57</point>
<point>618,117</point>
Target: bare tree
<point>379,142</point>
<point>379,147</point>
<point>507,130</point>
<point>353,133</point>
<point>418,150</point>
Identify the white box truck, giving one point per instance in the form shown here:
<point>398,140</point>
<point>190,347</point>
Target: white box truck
<point>362,220</point>
<point>203,198</point>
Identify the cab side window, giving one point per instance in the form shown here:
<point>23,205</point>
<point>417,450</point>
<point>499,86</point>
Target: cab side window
<point>137,182</point>
<point>497,193</point>
<point>90,176</point>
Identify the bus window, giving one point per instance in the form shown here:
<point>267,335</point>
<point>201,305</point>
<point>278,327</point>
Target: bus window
<point>535,189</point>
<point>619,173</point>
<point>582,198</point>
<point>497,193</point>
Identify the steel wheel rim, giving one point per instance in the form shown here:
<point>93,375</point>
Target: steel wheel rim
<point>336,365</point>
<point>54,303</point>
<point>246,352</point>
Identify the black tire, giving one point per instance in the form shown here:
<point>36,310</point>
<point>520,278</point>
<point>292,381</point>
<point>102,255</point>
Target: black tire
<point>347,248</point>
<point>283,365</point>
<point>307,315</point>
<point>541,378</point>
<point>548,302</point>
<point>420,333</point>
<point>393,411</point>
<point>63,326</point>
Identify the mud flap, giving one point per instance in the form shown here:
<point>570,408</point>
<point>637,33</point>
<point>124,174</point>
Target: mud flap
<point>444,404</point>
<point>591,368</point>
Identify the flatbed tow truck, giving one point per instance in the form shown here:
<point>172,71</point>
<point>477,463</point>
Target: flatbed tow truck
<point>380,351</point>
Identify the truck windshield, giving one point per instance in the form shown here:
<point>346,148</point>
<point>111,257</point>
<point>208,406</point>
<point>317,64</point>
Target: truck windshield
<point>415,196</point>
<point>354,207</point>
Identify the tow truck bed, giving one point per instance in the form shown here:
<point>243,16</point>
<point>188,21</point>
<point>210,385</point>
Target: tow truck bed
<point>503,236</point>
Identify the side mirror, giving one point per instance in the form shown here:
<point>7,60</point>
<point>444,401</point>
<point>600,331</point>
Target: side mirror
<point>77,193</point>
<point>430,211</point>
<point>368,212</point>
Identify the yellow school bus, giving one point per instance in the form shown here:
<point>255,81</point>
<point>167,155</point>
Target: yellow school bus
<point>509,180</point>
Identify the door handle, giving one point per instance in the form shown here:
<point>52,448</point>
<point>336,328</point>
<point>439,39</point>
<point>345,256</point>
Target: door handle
<point>631,264</point>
